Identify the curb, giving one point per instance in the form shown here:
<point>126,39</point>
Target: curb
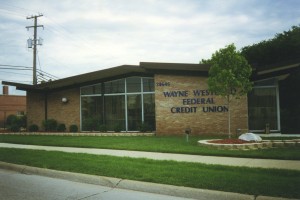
<point>177,191</point>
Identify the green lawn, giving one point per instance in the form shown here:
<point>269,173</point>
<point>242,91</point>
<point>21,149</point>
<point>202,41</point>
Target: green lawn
<point>167,144</point>
<point>254,181</point>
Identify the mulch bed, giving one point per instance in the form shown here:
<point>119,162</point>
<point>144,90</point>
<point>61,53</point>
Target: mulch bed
<point>229,141</point>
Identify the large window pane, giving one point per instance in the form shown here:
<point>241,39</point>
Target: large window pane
<point>94,89</point>
<point>91,113</point>
<point>117,86</point>
<point>133,84</point>
<point>149,111</point>
<point>134,112</point>
<point>106,106</point>
<point>148,84</point>
<point>263,108</point>
<point>115,112</point>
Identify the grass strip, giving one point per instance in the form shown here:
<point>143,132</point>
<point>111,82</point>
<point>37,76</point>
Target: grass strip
<point>254,181</point>
<point>165,144</point>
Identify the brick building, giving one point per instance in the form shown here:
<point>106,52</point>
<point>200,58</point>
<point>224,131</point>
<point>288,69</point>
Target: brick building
<point>11,105</point>
<point>167,97</point>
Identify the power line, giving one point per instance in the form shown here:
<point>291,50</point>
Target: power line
<point>15,66</point>
<point>16,7</point>
<point>14,73</point>
<point>5,11</point>
<point>49,76</point>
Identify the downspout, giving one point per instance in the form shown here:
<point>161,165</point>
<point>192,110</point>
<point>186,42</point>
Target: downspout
<point>46,105</point>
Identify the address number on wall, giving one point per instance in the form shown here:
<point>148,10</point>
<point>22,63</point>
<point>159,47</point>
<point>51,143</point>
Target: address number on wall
<point>162,84</point>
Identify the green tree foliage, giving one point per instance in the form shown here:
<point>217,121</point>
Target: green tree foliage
<point>229,75</point>
<point>283,47</point>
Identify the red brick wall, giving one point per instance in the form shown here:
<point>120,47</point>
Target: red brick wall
<point>11,105</point>
<point>199,121</point>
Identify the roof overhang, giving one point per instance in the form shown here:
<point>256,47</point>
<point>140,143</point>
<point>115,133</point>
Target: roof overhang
<point>144,69</point>
<point>276,71</point>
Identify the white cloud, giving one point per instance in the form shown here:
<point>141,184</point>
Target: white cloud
<point>82,36</point>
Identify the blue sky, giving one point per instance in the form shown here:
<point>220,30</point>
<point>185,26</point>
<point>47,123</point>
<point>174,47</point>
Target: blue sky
<point>81,36</point>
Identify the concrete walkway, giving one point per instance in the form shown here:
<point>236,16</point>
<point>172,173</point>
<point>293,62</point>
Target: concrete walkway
<point>230,161</point>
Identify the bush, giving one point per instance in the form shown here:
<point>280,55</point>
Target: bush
<point>61,127</point>
<point>23,121</point>
<point>11,119</point>
<point>73,128</point>
<point>90,124</point>
<point>14,123</point>
<point>14,128</point>
<point>144,127</point>
<point>102,128</point>
<point>117,128</point>
<point>33,128</point>
<point>50,125</point>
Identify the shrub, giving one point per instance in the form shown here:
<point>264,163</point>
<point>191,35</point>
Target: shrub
<point>61,127</point>
<point>33,128</point>
<point>23,121</point>
<point>14,123</point>
<point>144,127</point>
<point>102,128</point>
<point>50,125</point>
<point>10,119</point>
<point>14,128</point>
<point>118,128</point>
<point>73,128</point>
<point>90,124</point>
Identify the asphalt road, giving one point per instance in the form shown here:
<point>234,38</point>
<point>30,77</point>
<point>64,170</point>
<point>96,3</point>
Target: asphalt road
<point>17,186</point>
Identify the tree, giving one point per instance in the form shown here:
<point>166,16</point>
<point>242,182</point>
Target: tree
<point>283,47</point>
<point>229,75</point>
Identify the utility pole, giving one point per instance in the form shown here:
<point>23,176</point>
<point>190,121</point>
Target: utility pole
<point>33,43</point>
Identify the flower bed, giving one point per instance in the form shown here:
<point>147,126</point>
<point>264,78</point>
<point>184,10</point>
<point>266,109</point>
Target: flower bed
<point>229,141</point>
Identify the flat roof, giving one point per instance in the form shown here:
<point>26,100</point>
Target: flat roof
<point>144,69</point>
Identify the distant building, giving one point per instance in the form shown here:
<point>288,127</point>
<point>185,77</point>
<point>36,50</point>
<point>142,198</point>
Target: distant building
<point>167,97</point>
<point>11,105</point>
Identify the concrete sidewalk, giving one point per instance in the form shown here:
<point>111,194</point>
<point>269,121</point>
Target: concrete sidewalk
<point>230,161</point>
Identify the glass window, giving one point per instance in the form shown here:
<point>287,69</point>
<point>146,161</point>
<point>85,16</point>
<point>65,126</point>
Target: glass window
<point>134,112</point>
<point>268,82</point>
<point>94,89</point>
<point>148,84</point>
<point>115,112</point>
<point>118,109</point>
<point>263,108</point>
<point>117,86</point>
<point>91,112</point>
<point>133,84</point>
<point>149,111</point>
